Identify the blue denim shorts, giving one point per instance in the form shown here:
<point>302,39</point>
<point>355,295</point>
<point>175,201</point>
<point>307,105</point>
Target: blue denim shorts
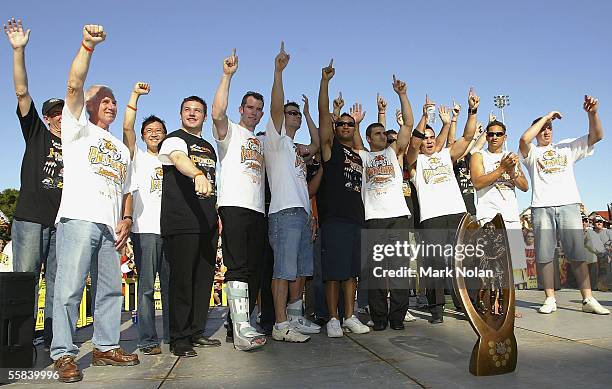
<point>291,240</point>
<point>563,221</point>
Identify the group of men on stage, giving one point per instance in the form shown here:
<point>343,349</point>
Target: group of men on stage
<point>84,192</point>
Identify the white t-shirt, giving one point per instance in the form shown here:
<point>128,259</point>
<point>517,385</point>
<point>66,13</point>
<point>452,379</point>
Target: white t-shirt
<point>286,171</point>
<point>551,169</point>
<point>146,189</point>
<point>436,185</point>
<point>381,190</point>
<point>242,181</point>
<point>97,172</point>
<point>499,197</point>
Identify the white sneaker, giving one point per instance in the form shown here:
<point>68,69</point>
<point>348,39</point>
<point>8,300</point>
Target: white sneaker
<point>550,305</point>
<point>352,324</point>
<point>370,323</point>
<point>333,328</point>
<point>288,334</point>
<point>408,318</point>
<point>303,325</point>
<point>590,305</point>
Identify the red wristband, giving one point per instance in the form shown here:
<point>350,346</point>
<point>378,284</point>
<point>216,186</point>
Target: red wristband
<point>86,48</point>
<point>133,108</point>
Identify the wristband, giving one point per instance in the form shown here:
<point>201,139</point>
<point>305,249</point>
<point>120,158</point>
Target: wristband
<point>132,108</point>
<point>128,217</point>
<point>200,173</point>
<point>418,134</point>
<point>472,111</point>
<point>89,49</point>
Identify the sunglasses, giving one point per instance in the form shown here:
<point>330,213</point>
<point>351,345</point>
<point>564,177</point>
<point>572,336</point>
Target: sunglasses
<point>497,134</point>
<point>294,113</point>
<point>531,236</point>
<point>348,124</point>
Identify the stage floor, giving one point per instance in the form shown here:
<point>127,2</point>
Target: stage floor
<point>565,349</point>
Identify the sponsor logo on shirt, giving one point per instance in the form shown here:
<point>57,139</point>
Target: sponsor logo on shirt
<point>156,180</point>
<point>352,170</point>
<point>251,156</point>
<point>105,159</point>
<point>300,165</point>
<point>551,162</point>
<point>199,149</point>
<point>504,182</point>
<point>380,172</point>
<point>437,172</point>
<point>53,167</point>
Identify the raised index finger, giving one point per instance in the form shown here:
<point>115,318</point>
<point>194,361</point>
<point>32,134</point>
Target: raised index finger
<point>234,52</point>
<point>282,49</point>
<point>331,63</point>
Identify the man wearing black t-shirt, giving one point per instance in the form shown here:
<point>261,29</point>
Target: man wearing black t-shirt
<point>42,171</point>
<point>189,227</point>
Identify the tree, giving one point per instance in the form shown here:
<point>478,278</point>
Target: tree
<point>8,203</point>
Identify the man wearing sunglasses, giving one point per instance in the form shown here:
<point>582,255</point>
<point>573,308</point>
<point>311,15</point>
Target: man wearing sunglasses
<point>386,209</point>
<point>495,174</point>
<point>289,215</point>
<point>440,200</point>
<point>555,201</point>
<point>42,171</point>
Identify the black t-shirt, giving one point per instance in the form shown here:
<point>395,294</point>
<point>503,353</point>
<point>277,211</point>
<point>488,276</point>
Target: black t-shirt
<point>340,192</point>
<point>462,173</point>
<point>182,211</point>
<point>412,200</point>
<point>42,171</point>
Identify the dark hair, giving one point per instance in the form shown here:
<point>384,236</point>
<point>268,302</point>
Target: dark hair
<point>496,123</point>
<point>255,95</point>
<point>372,127</point>
<point>261,133</point>
<point>150,119</point>
<point>195,98</point>
<point>390,132</point>
<point>292,104</point>
<point>428,127</point>
<point>344,114</point>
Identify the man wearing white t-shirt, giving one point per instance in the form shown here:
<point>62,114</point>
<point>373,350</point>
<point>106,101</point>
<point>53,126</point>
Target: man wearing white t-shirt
<point>555,201</point>
<point>289,216</point>
<point>494,175</point>
<point>440,201</point>
<point>91,226</point>
<point>385,207</point>
<point>241,204</point>
<point>146,194</point>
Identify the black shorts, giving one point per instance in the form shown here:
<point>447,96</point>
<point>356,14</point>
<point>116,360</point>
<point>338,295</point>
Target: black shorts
<point>340,249</point>
<point>243,237</point>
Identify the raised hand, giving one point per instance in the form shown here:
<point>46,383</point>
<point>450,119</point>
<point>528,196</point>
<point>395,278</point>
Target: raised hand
<point>399,86</point>
<point>590,105</point>
<point>456,108</point>
<point>428,103</point>
<point>306,108</point>
<point>230,64</point>
<point>282,59</point>
<point>327,73</point>
<point>93,34</point>
<point>444,113</point>
<point>381,103</point>
<point>142,88</point>
<point>554,115</point>
<point>473,99</point>
<point>338,102</point>
<point>15,34</point>
<point>398,117</point>
<point>357,113</point>
<point>492,117</point>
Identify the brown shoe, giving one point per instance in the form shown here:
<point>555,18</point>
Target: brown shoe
<point>67,369</point>
<point>114,357</point>
<point>153,350</point>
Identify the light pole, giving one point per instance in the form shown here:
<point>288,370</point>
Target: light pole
<point>501,101</point>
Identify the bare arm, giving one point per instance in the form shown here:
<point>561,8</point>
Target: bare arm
<point>534,130</point>
<point>382,110</point>
<point>519,178</point>
<point>358,114</point>
<point>460,146</point>
<point>442,137</point>
<point>477,172</point>
<point>596,132</point>
<point>405,132</point>
<point>315,183</point>
<point>277,108</point>
<point>92,35</point>
<point>452,132</point>
<point>338,104</point>
<point>129,117</point>
<point>123,228</point>
<point>219,109</point>
<point>326,130</point>
<point>314,145</point>
<point>19,40</point>
<point>184,165</point>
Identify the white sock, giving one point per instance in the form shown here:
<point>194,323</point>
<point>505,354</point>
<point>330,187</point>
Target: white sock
<point>280,326</point>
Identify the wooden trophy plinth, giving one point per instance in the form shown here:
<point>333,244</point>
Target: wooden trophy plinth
<point>492,318</point>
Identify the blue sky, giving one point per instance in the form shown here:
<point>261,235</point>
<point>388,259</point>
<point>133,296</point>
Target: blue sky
<point>546,55</point>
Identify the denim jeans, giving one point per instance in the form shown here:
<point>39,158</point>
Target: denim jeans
<point>291,239</point>
<point>81,247</point>
<point>34,244</point>
<point>150,259</point>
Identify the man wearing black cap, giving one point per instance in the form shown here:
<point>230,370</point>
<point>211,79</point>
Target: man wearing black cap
<point>42,168</point>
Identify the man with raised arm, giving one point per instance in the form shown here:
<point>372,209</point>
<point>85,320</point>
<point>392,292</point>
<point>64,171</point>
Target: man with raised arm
<point>189,224</point>
<point>340,211</point>
<point>241,204</point>
<point>440,201</point>
<point>289,216</point>
<point>92,221</point>
<point>385,207</point>
<point>42,170</point>
<point>555,201</point>
<point>146,196</point>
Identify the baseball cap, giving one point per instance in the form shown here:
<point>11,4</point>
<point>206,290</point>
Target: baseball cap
<point>50,104</point>
<point>599,218</point>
